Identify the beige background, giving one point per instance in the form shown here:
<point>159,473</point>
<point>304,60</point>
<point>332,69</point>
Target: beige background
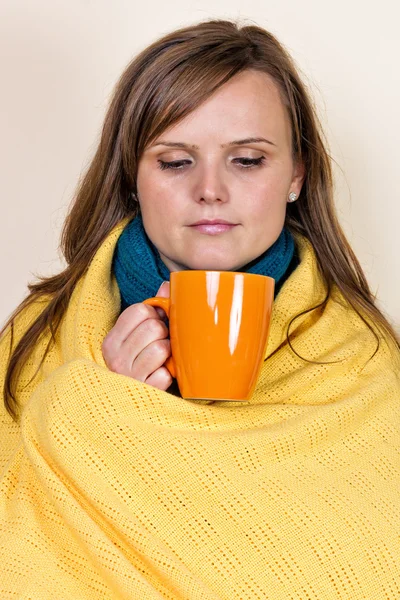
<point>60,60</point>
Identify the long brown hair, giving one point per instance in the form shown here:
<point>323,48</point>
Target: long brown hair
<point>164,83</point>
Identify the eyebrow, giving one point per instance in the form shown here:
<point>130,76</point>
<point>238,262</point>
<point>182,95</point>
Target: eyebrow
<point>250,140</point>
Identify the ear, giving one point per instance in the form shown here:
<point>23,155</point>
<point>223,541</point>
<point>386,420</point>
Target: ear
<point>299,173</point>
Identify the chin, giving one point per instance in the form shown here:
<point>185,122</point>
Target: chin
<point>214,265</point>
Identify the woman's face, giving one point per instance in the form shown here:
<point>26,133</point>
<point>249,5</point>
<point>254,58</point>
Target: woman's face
<point>204,169</point>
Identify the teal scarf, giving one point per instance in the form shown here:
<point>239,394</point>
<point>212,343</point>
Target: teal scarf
<point>139,270</point>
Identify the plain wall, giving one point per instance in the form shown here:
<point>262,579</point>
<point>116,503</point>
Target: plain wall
<point>61,59</point>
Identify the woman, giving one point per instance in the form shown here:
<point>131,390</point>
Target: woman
<point>113,486</point>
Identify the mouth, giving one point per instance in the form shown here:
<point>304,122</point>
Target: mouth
<point>213,227</point>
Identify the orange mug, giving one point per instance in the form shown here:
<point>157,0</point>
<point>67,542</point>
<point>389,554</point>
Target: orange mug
<point>219,325</point>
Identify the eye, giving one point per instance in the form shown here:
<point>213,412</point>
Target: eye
<point>245,163</point>
<point>176,164</point>
<point>250,162</point>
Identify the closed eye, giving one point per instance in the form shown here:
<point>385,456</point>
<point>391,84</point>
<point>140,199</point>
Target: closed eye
<point>245,163</point>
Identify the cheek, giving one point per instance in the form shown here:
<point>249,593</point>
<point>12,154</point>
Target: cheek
<point>155,199</point>
<point>272,186</point>
<point>267,201</point>
<point>162,215</point>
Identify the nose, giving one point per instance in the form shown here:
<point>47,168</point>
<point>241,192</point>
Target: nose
<point>211,186</point>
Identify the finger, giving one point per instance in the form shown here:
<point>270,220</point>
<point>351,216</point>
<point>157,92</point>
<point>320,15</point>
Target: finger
<point>161,379</point>
<point>121,358</point>
<point>150,359</point>
<point>163,292</point>
<point>138,359</point>
<point>146,333</point>
<point>126,323</point>
<point>161,313</point>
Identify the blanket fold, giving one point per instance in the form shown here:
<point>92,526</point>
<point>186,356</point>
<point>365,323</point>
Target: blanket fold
<point>113,489</point>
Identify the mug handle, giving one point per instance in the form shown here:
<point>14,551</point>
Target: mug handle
<point>163,303</point>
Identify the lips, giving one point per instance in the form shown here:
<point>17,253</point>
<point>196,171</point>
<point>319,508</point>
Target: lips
<point>213,227</point>
<point>212,222</point>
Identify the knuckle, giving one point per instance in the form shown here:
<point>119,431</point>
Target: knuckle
<point>116,364</point>
<point>135,312</point>
<point>144,310</point>
<point>156,327</point>
<point>107,344</point>
<point>165,376</point>
<point>161,348</point>
<point>161,379</point>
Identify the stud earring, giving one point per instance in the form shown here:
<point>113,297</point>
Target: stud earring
<point>292,197</point>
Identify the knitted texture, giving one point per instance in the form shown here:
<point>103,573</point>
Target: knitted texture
<point>139,270</point>
<point>113,489</point>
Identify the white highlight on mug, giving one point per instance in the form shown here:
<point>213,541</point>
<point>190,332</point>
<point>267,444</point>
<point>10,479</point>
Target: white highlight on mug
<point>212,283</point>
<point>236,312</point>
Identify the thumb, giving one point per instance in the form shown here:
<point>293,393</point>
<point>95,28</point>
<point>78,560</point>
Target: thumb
<point>163,290</point>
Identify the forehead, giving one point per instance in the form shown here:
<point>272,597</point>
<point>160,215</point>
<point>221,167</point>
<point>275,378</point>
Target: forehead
<point>248,104</point>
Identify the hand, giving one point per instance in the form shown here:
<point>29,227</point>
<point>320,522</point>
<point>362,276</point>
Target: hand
<point>137,345</point>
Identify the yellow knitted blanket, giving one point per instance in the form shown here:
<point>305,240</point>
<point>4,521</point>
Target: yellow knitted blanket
<point>112,489</point>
